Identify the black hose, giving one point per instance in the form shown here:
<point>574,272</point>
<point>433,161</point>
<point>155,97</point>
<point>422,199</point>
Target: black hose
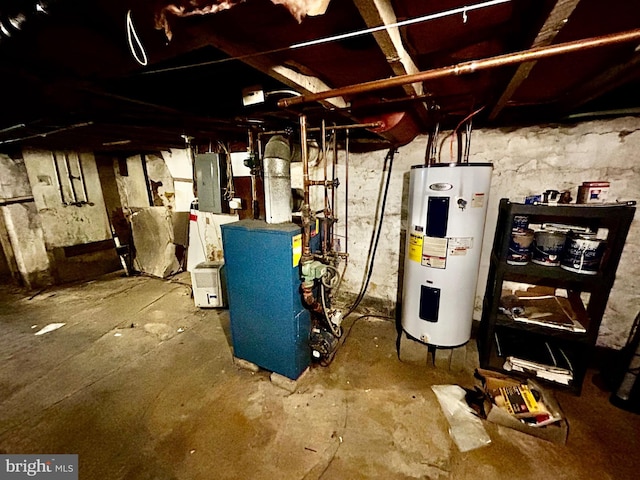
<point>375,236</point>
<point>427,154</point>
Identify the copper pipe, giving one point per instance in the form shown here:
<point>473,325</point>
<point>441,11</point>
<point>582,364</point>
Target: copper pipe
<point>334,208</point>
<point>321,183</point>
<point>467,67</point>
<point>346,193</point>
<point>306,208</point>
<point>333,127</point>
<point>326,192</point>
<point>310,299</point>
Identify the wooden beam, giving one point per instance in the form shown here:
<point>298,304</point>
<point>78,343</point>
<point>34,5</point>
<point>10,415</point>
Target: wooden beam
<point>557,19</point>
<point>302,83</point>
<point>380,12</point>
<point>305,84</point>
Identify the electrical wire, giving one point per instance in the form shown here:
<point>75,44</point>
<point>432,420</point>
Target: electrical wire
<point>375,235</point>
<point>467,147</point>
<point>336,330</point>
<point>336,274</point>
<point>229,190</point>
<point>137,48</point>
<point>432,145</point>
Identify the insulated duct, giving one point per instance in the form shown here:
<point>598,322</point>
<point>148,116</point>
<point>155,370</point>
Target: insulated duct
<point>278,199</point>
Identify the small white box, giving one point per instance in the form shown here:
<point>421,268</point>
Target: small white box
<point>593,192</point>
<point>207,282</point>
<point>235,204</point>
<point>252,95</point>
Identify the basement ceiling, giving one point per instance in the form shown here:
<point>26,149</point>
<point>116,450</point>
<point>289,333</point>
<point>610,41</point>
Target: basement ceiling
<point>123,75</point>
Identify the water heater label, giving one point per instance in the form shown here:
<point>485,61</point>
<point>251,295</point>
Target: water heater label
<point>460,245</point>
<point>296,247</point>
<point>477,201</point>
<point>434,252</point>
<point>440,187</point>
<point>415,247</point>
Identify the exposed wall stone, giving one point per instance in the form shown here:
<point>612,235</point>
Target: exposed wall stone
<point>132,186</point>
<point>180,165</point>
<point>154,240</point>
<point>14,181</point>
<point>23,238</point>
<point>67,224</point>
<point>27,237</point>
<point>161,181</point>
<point>526,160</point>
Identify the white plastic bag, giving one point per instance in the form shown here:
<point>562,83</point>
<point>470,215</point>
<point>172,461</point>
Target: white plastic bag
<point>465,428</point>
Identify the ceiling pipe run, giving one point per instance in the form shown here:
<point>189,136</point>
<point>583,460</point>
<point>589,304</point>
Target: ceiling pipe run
<point>466,67</point>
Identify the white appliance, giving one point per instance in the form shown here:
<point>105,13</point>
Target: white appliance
<point>207,282</point>
<point>446,216</point>
<point>205,237</point>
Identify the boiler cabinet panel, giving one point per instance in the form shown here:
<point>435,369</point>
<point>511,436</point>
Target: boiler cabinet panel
<point>269,325</point>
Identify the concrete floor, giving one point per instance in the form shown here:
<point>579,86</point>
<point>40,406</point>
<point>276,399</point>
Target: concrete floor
<point>141,384</point>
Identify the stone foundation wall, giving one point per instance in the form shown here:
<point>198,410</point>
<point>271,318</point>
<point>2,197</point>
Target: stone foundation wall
<point>526,160</point>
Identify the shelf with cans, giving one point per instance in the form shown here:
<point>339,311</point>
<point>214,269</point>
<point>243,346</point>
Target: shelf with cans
<point>551,270</point>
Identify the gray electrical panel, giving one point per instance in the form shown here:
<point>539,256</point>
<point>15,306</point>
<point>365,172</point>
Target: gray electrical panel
<point>210,181</point>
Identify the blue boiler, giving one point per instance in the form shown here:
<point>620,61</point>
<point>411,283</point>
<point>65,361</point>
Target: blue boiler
<point>269,324</point>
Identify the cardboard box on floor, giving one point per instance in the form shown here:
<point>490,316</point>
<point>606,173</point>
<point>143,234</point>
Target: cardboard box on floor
<point>555,432</point>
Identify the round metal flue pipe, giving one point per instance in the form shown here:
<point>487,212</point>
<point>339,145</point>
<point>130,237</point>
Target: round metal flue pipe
<point>467,67</point>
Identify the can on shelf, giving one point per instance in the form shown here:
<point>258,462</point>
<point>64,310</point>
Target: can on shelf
<point>520,247</point>
<point>582,253</point>
<point>520,222</point>
<point>547,247</point>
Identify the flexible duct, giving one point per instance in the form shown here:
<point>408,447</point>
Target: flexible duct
<point>277,180</point>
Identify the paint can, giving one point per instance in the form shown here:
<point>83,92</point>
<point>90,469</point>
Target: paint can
<point>582,253</point>
<point>520,222</point>
<point>520,247</point>
<point>547,247</point>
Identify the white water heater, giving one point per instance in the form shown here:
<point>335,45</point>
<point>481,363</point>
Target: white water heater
<point>447,210</point>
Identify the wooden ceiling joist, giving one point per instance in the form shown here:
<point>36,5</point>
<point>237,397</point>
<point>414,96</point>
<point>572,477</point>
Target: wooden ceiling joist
<point>305,84</point>
<point>558,18</point>
<point>380,12</point>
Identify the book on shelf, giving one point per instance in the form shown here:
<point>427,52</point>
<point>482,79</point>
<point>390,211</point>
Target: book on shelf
<point>546,310</point>
<point>540,370</point>
<point>541,359</point>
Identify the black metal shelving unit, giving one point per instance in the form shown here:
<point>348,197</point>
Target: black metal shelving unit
<point>494,325</point>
